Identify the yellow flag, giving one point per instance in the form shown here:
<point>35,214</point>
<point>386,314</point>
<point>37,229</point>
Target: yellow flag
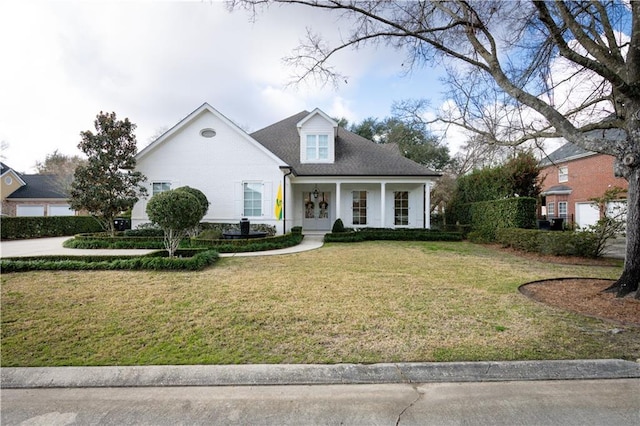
<point>278,209</point>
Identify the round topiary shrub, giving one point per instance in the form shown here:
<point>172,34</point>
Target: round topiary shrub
<point>338,226</point>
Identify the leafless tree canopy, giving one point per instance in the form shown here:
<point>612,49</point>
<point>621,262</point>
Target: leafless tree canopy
<point>518,71</point>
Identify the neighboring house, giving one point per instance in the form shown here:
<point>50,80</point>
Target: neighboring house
<point>32,195</point>
<point>573,176</point>
<point>326,173</point>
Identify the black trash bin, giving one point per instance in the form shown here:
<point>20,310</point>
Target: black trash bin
<point>245,225</point>
<point>557,224</point>
<point>121,224</point>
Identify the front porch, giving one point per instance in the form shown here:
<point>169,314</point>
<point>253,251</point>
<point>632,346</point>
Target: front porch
<point>316,204</point>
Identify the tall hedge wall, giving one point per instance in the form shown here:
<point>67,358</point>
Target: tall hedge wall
<point>487,216</point>
<point>17,228</point>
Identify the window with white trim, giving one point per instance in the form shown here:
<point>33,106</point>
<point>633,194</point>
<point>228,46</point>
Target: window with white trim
<point>359,207</point>
<point>562,209</point>
<point>317,147</point>
<point>563,174</point>
<point>401,208</point>
<point>158,187</point>
<point>551,209</point>
<point>252,196</point>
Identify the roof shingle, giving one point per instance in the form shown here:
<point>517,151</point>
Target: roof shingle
<point>354,155</point>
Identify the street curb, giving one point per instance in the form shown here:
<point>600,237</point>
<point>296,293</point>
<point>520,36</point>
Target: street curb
<point>306,374</point>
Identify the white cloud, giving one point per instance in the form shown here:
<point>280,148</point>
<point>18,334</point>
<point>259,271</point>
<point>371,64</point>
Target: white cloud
<point>155,62</point>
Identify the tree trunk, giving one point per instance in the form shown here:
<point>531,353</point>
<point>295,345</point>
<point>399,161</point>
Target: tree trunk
<point>628,281</point>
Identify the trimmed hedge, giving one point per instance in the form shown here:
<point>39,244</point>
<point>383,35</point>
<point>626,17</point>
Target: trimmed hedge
<point>376,234</point>
<point>18,228</point>
<point>488,216</point>
<point>193,260</point>
<point>584,244</point>
<point>250,245</point>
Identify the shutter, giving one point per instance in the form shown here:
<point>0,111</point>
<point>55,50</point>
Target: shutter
<point>238,196</point>
<point>267,199</point>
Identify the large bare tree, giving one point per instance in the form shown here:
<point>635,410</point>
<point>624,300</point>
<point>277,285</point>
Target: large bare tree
<point>504,60</point>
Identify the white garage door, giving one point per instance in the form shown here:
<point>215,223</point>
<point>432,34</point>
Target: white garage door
<point>29,210</point>
<point>586,214</point>
<point>61,210</point>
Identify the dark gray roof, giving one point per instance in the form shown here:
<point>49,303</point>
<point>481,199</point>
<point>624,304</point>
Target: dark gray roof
<point>558,189</point>
<point>354,155</point>
<point>566,152</point>
<point>39,186</point>
<point>4,168</point>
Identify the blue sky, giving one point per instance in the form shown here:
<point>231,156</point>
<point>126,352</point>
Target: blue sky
<point>154,63</point>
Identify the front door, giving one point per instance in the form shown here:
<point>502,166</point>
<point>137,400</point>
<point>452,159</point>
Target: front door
<point>317,215</point>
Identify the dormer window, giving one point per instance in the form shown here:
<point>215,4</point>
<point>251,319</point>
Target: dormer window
<point>317,148</point>
<point>318,134</point>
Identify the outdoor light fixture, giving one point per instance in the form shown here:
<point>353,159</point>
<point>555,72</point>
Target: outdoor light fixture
<point>315,193</point>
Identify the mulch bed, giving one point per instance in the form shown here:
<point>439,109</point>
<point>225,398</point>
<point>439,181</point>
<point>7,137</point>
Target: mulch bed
<point>581,295</point>
<point>585,296</point>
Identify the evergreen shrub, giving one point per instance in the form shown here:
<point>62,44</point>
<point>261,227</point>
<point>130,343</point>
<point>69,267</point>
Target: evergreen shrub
<point>16,228</point>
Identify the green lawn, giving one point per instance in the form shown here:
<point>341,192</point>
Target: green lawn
<point>366,302</point>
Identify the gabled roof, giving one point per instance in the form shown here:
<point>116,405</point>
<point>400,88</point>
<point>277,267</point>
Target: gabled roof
<point>39,186</point>
<point>566,152</point>
<point>4,169</point>
<point>354,155</point>
<point>319,112</point>
<point>205,107</point>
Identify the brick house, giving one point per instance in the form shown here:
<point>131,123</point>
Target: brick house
<point>32,195</point>
<point>571,177</point>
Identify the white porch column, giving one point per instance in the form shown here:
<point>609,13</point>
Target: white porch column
<point>427,206</point>
<point>383,204</point>
<point>338,207</point>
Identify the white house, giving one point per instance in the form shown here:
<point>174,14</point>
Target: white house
<point>325,173</point>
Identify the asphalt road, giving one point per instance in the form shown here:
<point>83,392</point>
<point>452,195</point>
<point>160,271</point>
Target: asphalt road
<point>568,402</point>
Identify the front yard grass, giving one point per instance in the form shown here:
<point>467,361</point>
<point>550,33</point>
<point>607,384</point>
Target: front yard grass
<point>367,302</point>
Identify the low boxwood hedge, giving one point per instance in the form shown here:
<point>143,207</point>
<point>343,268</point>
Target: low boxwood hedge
<point>568,243</point>
<point>190,260</point>
<point>249,245</point>
<point>373,234</point>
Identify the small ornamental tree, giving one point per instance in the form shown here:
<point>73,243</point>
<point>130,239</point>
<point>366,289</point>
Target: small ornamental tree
<point>175,212</point>
<point>107,184</point>
<point>204,205</point>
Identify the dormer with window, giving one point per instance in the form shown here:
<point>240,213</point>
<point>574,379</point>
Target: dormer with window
<point>317,138</point>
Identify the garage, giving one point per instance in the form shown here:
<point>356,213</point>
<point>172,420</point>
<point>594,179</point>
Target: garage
<point>29,210</point>
<point>586,214</point>
<point>61,210</point>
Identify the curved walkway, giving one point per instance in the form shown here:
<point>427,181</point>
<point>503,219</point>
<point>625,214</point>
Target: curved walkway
<point>53,246</point>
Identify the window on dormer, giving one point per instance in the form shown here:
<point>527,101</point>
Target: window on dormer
<point>317,147</point>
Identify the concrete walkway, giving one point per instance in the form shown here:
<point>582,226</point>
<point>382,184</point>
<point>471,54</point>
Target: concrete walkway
<point>53,246</point>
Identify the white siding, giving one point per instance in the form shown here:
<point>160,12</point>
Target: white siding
<point>215,166</point>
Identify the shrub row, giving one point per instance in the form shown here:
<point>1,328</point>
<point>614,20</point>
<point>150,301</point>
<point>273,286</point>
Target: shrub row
<point>259,244</point>
<point>488,216</point>
<point>226,227</point>
<point>583,244</point>
<point>196,260</point>
<point>113,243</point>
<point>373,234</point>
<point>17,228</point>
